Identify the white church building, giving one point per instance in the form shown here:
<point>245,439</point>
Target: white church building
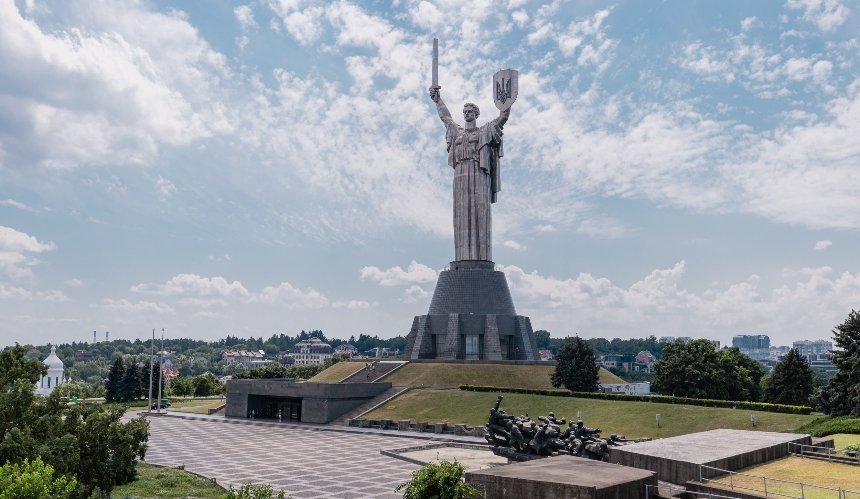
<point>54,378</point>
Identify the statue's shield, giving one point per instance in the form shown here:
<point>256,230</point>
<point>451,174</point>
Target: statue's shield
<point>505,88</point>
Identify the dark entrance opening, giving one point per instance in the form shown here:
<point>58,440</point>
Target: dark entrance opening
<point>288,408</point>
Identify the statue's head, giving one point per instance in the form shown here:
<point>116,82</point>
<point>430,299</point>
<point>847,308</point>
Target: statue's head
<point>471,111</point>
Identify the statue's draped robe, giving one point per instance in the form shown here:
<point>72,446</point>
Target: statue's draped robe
<point>474,155</point>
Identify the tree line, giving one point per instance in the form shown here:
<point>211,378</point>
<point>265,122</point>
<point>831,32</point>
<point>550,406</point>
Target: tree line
<point>696,369</point>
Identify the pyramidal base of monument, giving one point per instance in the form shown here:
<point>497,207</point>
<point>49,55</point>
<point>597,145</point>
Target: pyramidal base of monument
<point>471,318</point>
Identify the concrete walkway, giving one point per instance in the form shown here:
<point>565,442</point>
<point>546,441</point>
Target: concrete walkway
<point>305,460</point>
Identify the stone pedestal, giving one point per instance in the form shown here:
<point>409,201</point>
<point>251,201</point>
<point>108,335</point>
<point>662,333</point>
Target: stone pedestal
<point>471,306</point>
<point>562,477</point>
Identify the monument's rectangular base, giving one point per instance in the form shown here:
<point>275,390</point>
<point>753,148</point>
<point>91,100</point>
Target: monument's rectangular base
<point>678,459</point>
<point>562,477</point>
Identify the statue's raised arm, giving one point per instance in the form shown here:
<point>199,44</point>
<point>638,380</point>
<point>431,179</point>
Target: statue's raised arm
<point>441,108</point>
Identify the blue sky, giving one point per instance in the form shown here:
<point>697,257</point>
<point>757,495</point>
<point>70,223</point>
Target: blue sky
<point>671,168</point>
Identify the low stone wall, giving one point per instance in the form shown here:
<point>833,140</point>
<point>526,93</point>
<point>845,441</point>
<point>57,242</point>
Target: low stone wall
<point>419,426</point>
<point>678,459</point>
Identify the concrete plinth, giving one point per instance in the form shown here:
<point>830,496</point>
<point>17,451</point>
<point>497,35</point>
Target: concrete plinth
<point>471,303</point>
<point>562,477</point>
<point>678,459</point>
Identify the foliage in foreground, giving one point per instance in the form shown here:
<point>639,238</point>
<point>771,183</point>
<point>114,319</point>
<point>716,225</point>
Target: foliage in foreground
<point>251,491</point>
<point>438,481</point>
<point>697,370</point>
<point>822,427</point>
<point>576,367</point>
<point>841,397</point>
<point>34,480</point>
<point>86,441</point>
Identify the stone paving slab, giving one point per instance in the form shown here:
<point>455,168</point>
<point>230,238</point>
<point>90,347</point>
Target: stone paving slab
<point>304,463</point>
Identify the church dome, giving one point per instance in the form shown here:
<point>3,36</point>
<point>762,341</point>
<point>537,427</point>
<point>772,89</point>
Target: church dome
<point>52,361</point>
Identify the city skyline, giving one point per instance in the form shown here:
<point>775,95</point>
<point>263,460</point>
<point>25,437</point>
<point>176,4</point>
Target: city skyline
<point>253,168</point>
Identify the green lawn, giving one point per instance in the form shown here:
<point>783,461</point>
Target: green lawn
<point>798,469</point>
<point>338,371</point>
<point>156,482</point>
<point>842,440</point>
<point>196,406</point>
<point>632,419</point>
<point>440,375</point>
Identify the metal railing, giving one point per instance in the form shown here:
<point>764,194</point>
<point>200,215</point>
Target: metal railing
<point>654,491</point>
<point>820,452</point>
<point>771,487</point>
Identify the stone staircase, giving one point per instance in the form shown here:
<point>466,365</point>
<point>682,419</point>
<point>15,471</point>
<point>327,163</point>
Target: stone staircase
<point>375,371</point>
<point>380,399</point>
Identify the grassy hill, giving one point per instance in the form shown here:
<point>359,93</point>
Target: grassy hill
<point>338,372</point>
<point>633,419</point>
<point>435,375</point>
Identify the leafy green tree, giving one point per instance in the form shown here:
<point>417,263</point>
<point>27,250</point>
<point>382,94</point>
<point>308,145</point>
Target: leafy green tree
<point>741,376</point>
<point>34,480</point>
<point>791,381</point>
<point>149,370</point>
<point>542,338</point>
<point>84,441</point>
<point>576,367</point>
<point>841,397</point>
<point>180,386</point>
<point>695,369</point>
<point>113,386</point>
<point>206,385</point>
<point>14,365</point>
<point>131,383</point>
<point>438,481</point>
<point>687,370</point>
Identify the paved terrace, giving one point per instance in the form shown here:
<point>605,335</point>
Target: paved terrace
<point>304,460</point>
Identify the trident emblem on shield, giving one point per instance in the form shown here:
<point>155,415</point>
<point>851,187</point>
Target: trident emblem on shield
<point>505,88</point>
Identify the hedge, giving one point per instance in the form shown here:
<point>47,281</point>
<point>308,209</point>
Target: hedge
<point>822,427</point>
<point>662,399</point>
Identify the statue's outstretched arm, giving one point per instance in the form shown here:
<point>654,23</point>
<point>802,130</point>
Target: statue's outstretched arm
<point>503,116</point>
<point>441,108</point>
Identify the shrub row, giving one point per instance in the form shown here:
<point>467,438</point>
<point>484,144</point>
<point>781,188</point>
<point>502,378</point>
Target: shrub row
<point>662,399</point>
<point>822,427</point>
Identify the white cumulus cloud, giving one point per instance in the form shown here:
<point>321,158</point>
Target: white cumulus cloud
<point>820,245</point>
<point>415,273</point>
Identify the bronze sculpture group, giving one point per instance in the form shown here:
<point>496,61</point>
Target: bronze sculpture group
<point>520,437</point>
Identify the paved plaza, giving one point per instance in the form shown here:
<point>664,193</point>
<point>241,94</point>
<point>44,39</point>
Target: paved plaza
<point>303,462</point>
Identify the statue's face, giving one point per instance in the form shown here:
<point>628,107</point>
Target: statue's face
<point>469,114</point>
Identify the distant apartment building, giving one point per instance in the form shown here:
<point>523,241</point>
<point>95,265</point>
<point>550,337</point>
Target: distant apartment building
<point>778,352</point>
<point>545,354</point>
<point>813,349</point>
<point>755,346</point>
<point>345,350</point>
<point>83,356</point>
<point>312,351</point>
<point>616,361</point>
<point>382,352</point>
<point>245,357</point>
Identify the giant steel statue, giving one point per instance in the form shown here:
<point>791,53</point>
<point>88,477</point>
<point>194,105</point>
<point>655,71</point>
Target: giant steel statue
<point>473,153</point>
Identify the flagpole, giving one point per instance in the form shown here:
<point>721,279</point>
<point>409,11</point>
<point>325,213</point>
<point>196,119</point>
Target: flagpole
<point>160,370</point>
<point>151,357</point>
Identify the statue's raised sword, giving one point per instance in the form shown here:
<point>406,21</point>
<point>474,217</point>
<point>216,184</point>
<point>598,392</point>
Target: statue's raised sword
<point>435,63</point>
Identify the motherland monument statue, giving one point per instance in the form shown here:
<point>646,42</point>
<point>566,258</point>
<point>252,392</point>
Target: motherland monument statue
<point>472,315</point>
